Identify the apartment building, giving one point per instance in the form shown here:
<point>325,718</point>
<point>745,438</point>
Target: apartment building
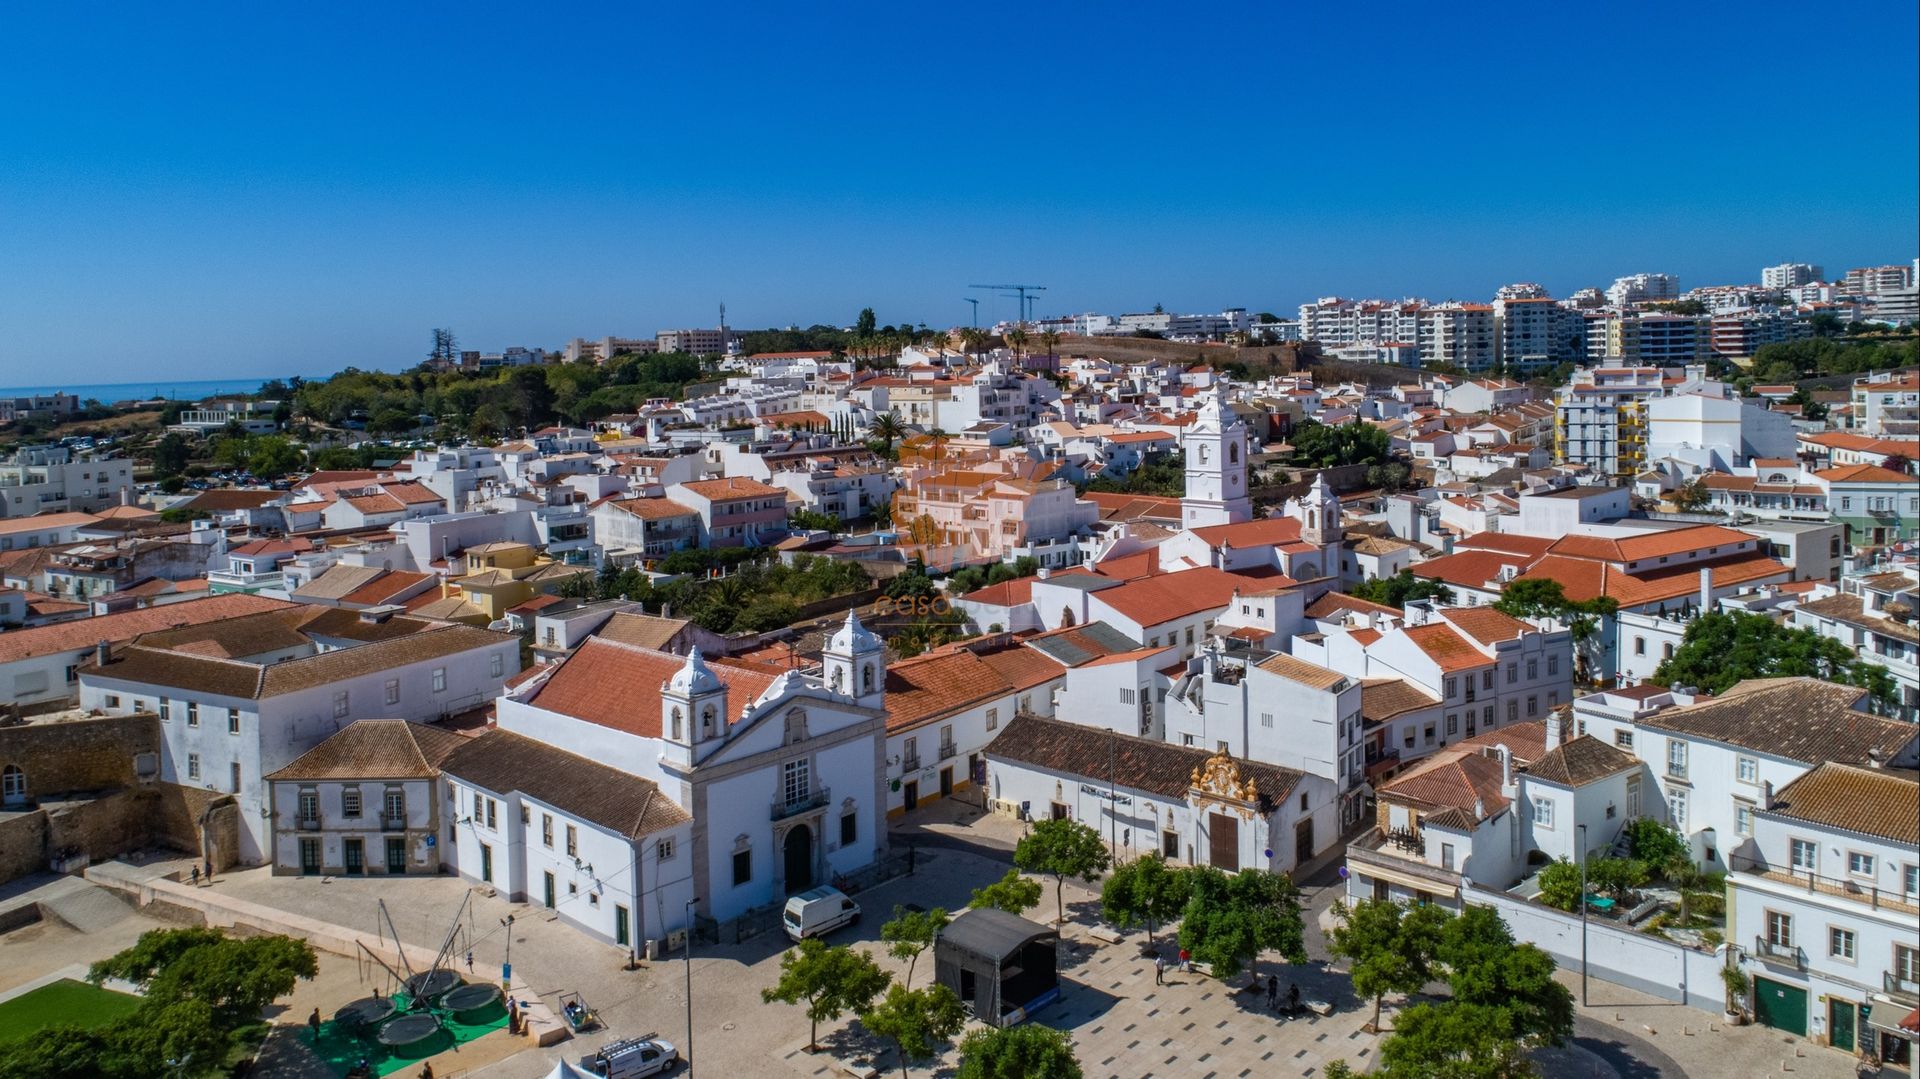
<point>1874,616</point>
<point>1877,505</point>
<point>1877,280</point>
<point>1335,321</point>
<point>1791,275</point>
<point>697,342</point>
<point>1461,334</point>
<point>1601,419</point>
<point>1536,333</point>
<point>1737,335</point>
<point>1822,905</point>
<point>53,479</point>
<point>1886,404</point>
<point>1643,288</point>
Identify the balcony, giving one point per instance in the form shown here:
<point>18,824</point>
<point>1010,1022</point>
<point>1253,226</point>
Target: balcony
<point>1779,955</point>
<point>390,823</point>
<point>1904,990</point>
<point>910,763</point>
<point>307,824</point>
<point>948,750</point>
<point>784,807</point>
<point>1868,894</point>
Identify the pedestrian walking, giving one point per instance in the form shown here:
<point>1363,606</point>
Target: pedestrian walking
<point>1186,960</point>
<point>469,960</point>
<point>1293,996</point>
<point>426,1070</point>
<point>1159,970</point>
<point>196,876</point>
<point>209,870</point>
<point>313,1024</point>
<point>1273,992</point>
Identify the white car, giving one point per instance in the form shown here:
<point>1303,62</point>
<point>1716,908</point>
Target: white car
<point>632,1058</point>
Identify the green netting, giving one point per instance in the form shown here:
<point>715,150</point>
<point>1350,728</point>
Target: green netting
<point>342,1046</point>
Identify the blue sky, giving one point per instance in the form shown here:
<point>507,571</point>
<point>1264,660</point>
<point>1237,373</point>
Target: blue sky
<point>254,189</point>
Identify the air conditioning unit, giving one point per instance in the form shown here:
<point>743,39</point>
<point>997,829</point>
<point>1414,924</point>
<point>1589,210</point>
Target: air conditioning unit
<point>677,941</point>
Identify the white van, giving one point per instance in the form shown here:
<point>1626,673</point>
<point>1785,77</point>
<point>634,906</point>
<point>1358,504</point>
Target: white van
<point>631,1058</point>
<point>817,911</point>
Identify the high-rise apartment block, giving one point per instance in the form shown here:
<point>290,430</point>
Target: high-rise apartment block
<point>696,342</point>
<point>1874,280</point>
<point>1643,288</point>
<point>1539,333</point>
<point>1790,275</point>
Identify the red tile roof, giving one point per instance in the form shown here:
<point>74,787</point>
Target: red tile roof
<point>732,487</point>
<point>1446,647</point>
<point>617,685</point>
<point>1151,601</point>
<point>125,625</point>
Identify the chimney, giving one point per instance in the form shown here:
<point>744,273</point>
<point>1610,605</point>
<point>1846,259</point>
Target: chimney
<point>1507,788</point>
<point>1553,730</point>
<point>1043,572</point>
<point>1479,809</point>
<point>1706,590</point>
<point>101,651</point>
<point>1766,794</point>
<point>1876,759</point>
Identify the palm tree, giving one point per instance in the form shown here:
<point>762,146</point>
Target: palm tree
<point>887,425</point>
<point>1016,339</point>
<point>971,340</point>
<point>1049,340</point>
<point>939,438</point>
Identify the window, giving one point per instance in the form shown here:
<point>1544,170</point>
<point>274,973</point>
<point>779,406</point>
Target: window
<point>1266,719</point>
<point>1633,797</point>
<point>1303,801</point>
<point>497,665</point>
<point>1429,733</point>
<point>849,829</point>
<point>1858,864</point>
<point>1840,943</point>
<point>1446,856</point>
<point>393,691</point>
<point>1553,666</point>
<point>233,721</point>
<point>1910,880</point>
<point>113,701</point>
<point>1126,696</point>
<point>1187,740</point>
<point>1513,673</point>
<point>1779,929</point>
<point>1486,678</point>
<point>1676,758</point>
<point>1743,818</point>
<point>350,802</point>
<point>394,804</point>
<point>340,704</point>
<point>1804,854</point>
<point>1623,739</point>
<point>1533,707</point>
<point>1677,808</point>
<point>193,766</point>
<point>1543,812</point>
<point>663,850</point>
<point>493,813</point>
<point>1533,669</point>
<point>573,841</point>
<point>1453,725</point>
<point>1453,686</point>
<point>1906,963</point>
<point>310,805</point>
<point>193,713</point>
<point>1747,770</point>
<point>166,710</point>
<point>1639,646</point>
<point>439,679</point>
<point>1513,711</point>
<point>993,718</point>
<point>742,867</point>
<point>546,830</point>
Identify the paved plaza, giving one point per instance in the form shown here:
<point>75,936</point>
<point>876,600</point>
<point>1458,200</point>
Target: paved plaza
<point>1122,1024</point>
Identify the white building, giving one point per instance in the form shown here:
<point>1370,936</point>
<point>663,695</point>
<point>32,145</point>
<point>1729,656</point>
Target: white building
<point>1643,288</point>
<point>364,802</point>
<point>50,479</point>
<point>1216,447</point>
<point>1791,275</point>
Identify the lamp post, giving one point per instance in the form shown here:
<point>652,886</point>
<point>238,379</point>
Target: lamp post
<point>688,910</point>
<point>506,965</point>
<point>1582,830</point>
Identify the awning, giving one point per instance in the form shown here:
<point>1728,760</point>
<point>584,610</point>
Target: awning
<point>1406,880</point>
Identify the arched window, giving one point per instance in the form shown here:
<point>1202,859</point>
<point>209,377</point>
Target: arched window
<point>677,733</point>
<point>866,678</point>
<point>1203,453</point>
<point>706,722</point>
<point>1233,453</point>
<point>839,679</point>
<point>13,784</point>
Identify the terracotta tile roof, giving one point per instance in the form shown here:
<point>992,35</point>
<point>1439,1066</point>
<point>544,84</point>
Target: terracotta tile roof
<point>231,498</point>
<point>84,633</point>
<point>1005,594</point>
<point>618,685</point>
<point>1307,674</point>
<point>1801,719</point>
<point>652,509</point>
<point>1265,531</point>
<point>236,678</point>
<point>1446,647</point>
<point>381,589</point>
<point>1583,760</point>
<point>642,630</point>
<point>242,635</point>
<point>375,503</point>
<point>1583,579</point>
<point>1454,779</point>
<point>1850,609</point>
<point>412,494</point>
<point>1477,569</point>
<point>732,487</point>
<point>1142,764</point>
<point>375,749</point>
<point>1512,543</point>
<point>1871,801</point>
<point>1126,507</point>
<point>337,581</point>
<point>1333,604</point>
<point>930,687</point>
<point>335,476</point>
<point>1151,601</point>
<point>44,521</point>
<point>1526,741</point>
<point>1652,544</point>
<point>270,547</point>
<point>1022,667</point>
<point>1863,474</point>
<point>1486,625</point>
<point>623,803</point>
<point>1382,699</point>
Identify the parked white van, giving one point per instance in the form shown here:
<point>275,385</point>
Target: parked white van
<point>817,911</point>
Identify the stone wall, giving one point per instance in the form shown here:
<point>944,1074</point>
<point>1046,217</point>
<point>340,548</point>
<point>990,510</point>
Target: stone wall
<point>102,827</point>
<point>187,819</point>
<point>23,845</point>
<point>81,754</point>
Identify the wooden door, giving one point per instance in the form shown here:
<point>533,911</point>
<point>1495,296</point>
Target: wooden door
<point>1223,842</point>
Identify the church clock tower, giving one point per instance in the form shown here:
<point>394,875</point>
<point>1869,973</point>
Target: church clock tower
<point>1216,446</point>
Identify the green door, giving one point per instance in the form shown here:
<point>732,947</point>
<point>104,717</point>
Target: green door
<point>1840,1028</point>
<point>1780,1006</point>
<point>549,890</point>
<point>486,863</point>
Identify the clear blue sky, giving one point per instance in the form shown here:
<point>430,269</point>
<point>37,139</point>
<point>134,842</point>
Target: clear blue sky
<point>260,189</point>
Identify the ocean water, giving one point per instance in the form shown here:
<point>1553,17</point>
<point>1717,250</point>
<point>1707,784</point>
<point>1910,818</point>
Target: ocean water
<point>172,390</point>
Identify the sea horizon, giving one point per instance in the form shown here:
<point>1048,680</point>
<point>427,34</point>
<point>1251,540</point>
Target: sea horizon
<point>188,389</point>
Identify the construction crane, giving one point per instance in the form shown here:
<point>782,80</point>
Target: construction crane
<point>1020,291</point>
<point>976,310</point>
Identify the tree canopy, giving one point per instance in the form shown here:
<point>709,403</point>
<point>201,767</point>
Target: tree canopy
<point>1325,446</point>
<point>1231,918</point>
<point>915,1019</point>
<point>829,981</point>
<point>1400,589</point>
<point>1012,893</point>
<point>1723,648</point>
<point>912,932</point>
<point>1144,890</point>
<point>1390,948</point>
<point>1061,849</point>
<point>1026,1051</point>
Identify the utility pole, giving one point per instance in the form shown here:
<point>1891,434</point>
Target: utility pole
<point>1582,829</point>
<point>976,311</point>
<point>688,1056</point>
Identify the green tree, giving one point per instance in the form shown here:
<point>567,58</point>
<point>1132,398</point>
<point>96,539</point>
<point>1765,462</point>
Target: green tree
<point>1401,589</point>
<point>1560,884</point>
<point>272,457</point>
<point>887,426</point>
<point>1721,649</point>
<point>828,980</point>
<point>1486,968</point>
<point>1654,843</point>
<point>1389,947</point>
<point>1143,890</point>
<point>1617,877</point>
<point>1230,919</point>
<point>912,932</point>
<point>1453,1041</point>
<point>866,323</point>
<point>914,1019</point>
<point>1324,446</point>
<point>1061,849</point>
<point>1012,893</point>
<point>810,520</point>
<point>1692,497</point>
<point>235,978</point>
<point>170,454</point>
<point>1027,1051</point>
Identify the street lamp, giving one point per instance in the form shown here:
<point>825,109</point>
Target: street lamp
<point>1582,852</point>
<point>688,911</point>
<point>506,965</point>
